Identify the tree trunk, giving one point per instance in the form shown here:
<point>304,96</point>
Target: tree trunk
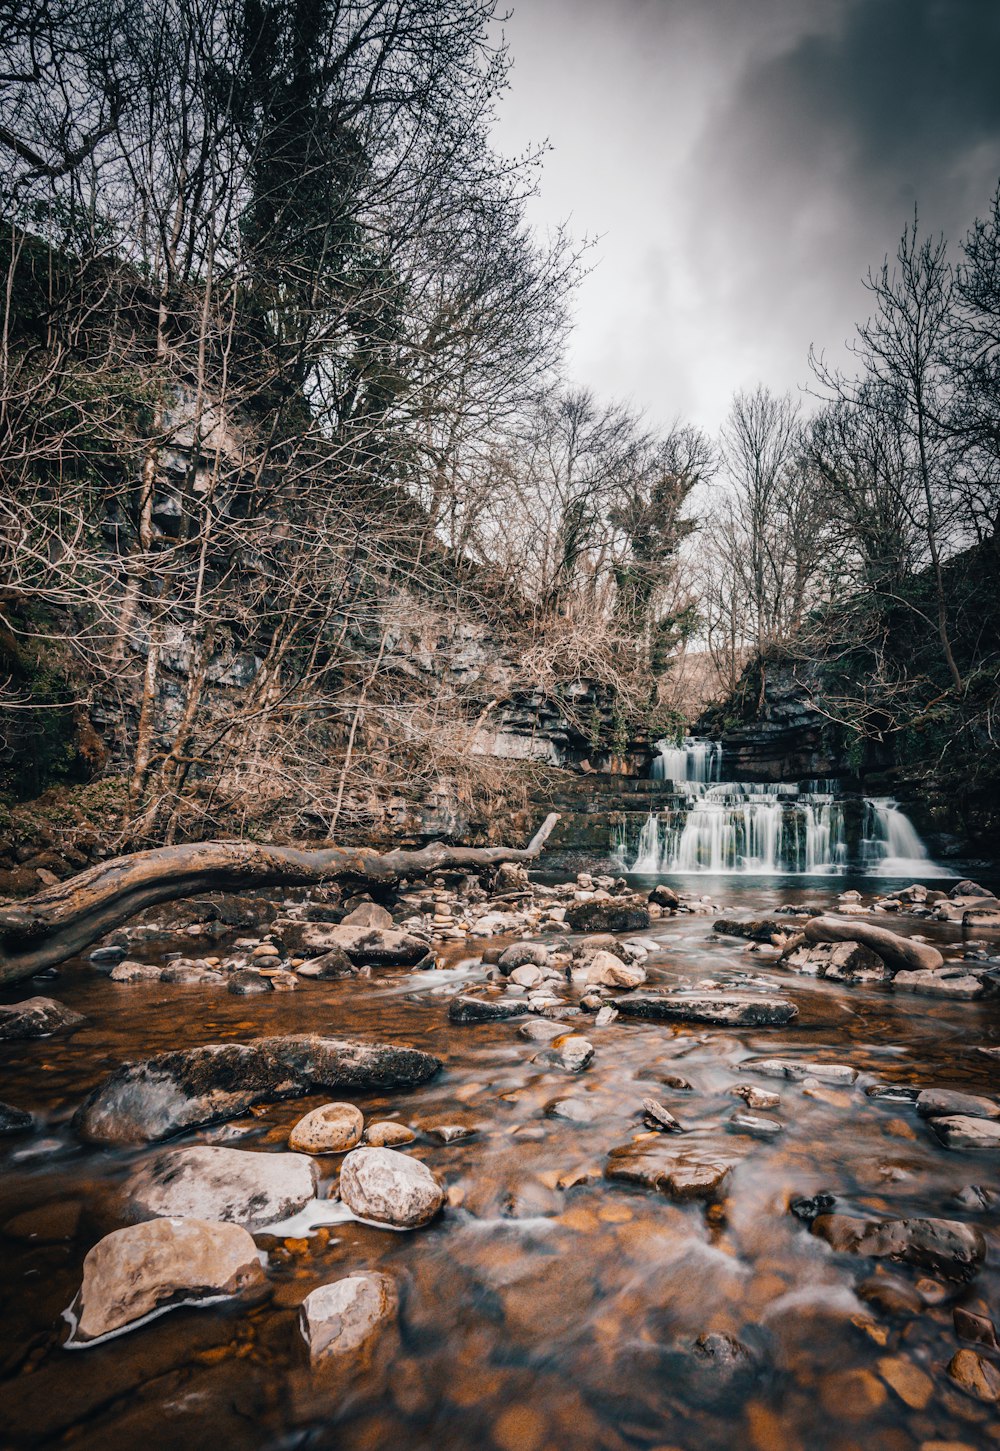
<point>63,920</point>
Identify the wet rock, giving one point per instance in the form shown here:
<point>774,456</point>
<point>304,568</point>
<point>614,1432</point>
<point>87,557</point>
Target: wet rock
<point>605,1016</point>
<point>948,1246</point>
<point>798,1068</point>
<point>756,929</point>
<point>130,971</point>
<point>341,1319</point>
<point>14,1120</point>
<point>808,1209</point>
<point>841,961</point>
<point>893,1093</point>
<point>522,954</point>
<point>333,1128</point>
<point>755,1097</point>
<point>755,1124</point>
<point>978,1197</point>
<point>966,888</point>
<point>539,1030</point>
<point>365,946</point>
<point>913,1385</point>
<point>106,956</point>
<point>160,1096</point>
<point>606,970</point>
<point>972,1135</point>
<point>234,1185</point>
<point>570,1051</point>
<point>451,1133</point>
<point>283,982</point>
<point>37,1018</point>
<point>948,982</point>
<point>937,1102</point>
<point>891,1295</point>
<point>898,953</point>
<point>615,916</point>
<point>389,1188</point>
<point>329,967</point>
<point>527,976</point>
<point>388,1135</point>
<point>53,1223</point>
<point>186,974</point>
<point>725,1009</point>
<point>655,1116</point>
<point>574,1110</point>
<point>975,1374</point>
<point>148,1268</point>
<point>977,1328</point>
<point>679,1176</point>
<point>468,1009</point>
<point>367,914</point>
<point>664,896</point>
<point>246,984</point>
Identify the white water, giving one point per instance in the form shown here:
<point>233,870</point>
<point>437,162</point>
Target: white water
<point>890,846</point>
<point>693,760</point>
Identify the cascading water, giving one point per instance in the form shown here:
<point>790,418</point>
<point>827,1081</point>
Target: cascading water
<point>748,827</point>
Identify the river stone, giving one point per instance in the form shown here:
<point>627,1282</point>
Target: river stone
<point>664,896</point>
<point>570,1051</point>
<point>367,914</point>
<point>341,1319</point>
<point>246,984</point>
<point>14,1120</point>
<point>755,1124</point>
<point>975,1135</point>
<point>975,1374</point>
<point>615,916</point>
<point>329,967</point>
<point>840,961</point>
<point>539,1030</point>
<point>948,1246</point>
<point>678,1175</point>
<point>365,946</point>
<point>757,929</point>
<point>130,971</point>
<point>950,982</point>
<point>37,1018</point>
<point>333,1128</point>
<point>725,1009</point>
<point>527,976</point>
<point>898,953</point>
<point>389,1188</point>
<point>160,1096</point>
<point>755,1097</point>
<point>467,1009</point>
<point>238,1186</point>
<point>387,1135</point>
<point>606,970</point>
<point>522,954</point>
<point>965,888</point>
<point>796,1069</point>
<point>148,1268</point>
<point>938,1102</point>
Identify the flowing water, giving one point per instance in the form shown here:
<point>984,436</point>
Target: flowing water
<point>533,1316</point>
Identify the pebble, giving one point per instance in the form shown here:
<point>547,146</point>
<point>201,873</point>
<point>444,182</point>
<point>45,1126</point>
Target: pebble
<point>755,1124</point>
<point>388,1135</point>
<point>975,1374</point>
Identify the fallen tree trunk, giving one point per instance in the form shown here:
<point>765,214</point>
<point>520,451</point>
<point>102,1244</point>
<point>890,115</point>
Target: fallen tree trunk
<point>62,920</point>
<point>898,953</point>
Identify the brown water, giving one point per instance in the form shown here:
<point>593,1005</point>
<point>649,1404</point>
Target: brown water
<point>533,1316</point>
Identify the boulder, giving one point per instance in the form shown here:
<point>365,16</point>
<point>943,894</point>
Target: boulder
<point>386,1187</point>
<point>340,1320</point>
<point>723,1008</point>
<point>966,888</point>
<point>365,946</point>
<point>604,969</point>
<point>467,1009</point>
<point>146,1269</point>
<point>367,914</point>
<point>842,961</point>
<point>527,976</point>
<point>664,896</point>
<point>131,971</point>
<point>975,1374</point>
<point>37,1018</point>
<point>756,929</point>
<point>570,1051</point>
<point>246,984</point>
<point>617,916</point>
<point>329,966</point>
<point>160,1096</point>
<point>946,1246</point>
<point>237,1186</point>
<point>522,954</point>
<point>973,1135</point>
<point>948,982</point>
<point>14,1120</point>
<point>898,953</point>
<point>939,1102</point>
<point>333,1128</point>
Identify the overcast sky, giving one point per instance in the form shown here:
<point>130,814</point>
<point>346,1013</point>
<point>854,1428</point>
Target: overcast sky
<point>743,162</point>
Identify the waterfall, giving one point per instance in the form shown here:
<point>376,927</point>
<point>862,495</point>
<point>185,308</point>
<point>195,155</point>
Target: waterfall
<point>890,846</point>
<point>693,760</point>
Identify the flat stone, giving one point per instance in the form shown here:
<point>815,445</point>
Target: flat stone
<point>15,1120</point>
<point>946,983</point>
<point>342,1318</point>
<point>798,1068</point>
<point>756,929</point>
<point>893,1093</point>
<point>208,1182</point>
<point>948,1246</point>
<point>913,1385</point>
<point>467,1009</point>
<point>333,1128</point>
<point>891,1295</point>
<point>755,1124</point>
<point>539,1030</point>
<point>388,1135</point>
<point>939,1102</point>
<point>972,1135</point>
<point>148,1268</point>
<point>975,1374</point>
<point>612,916</point>
<point>160,1096</point>
<point>727,1010</point>
<point>367,914</point>
<point>390,1188</point>
<point>977,1328</point>
<point>679,1176</point>
<point>755,1097</point>
<point>37,1018</point>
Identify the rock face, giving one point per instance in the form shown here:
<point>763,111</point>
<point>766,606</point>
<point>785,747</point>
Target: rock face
<point>152,1267</point>
<point>341,1319</point>
<point>237,1186</point>
<point>160,1096</point>
<point>947,1246</point>
<point>485,1010</point>
<point>973,1135</point>
<point>390,1188</point>
<point>332,1128</point>
<point>598,916</point>
<point>37,1018</point>
<point>725,1009</point>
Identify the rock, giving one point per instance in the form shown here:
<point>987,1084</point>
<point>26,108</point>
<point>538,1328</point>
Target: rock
<point>522,954</point>
<point>245,984</point>
<point>387,1187</point>
<point>757,929</point>
<point>605,1016</point>
<point>975,1374</point>
<point>527,976</point>
<point>188,973</point>
<point>106,956</point>
<point>367,914</point>
<point>331,1129</point>
<point>796,1069</point>
<point>340,1319</point>
<point>617,916</point>
<point>965,888</point>
<point>755,1097</point>
<point>892,1093</point>
<point>728,1010</point>
<point>539,1030</point>
<point>949,982</point>
<point>598,942</point>
<point>160,1096</point>
<point>808,1209</point>
<point>913,1385</point>
<point>606,970</point>
<point>365,946</point>
<point>388,1135</point>
<point>841,961</point>
<point>977,1328</point>
<point>898,953</point>
<point>938,1102</point>
<point>655,1116</point>
<point>129,971</point>
<point>948,1246</point>
<point>664,896</point>
<point>238,1186</point>
<point>574,1110</point>
<point>755,1124</point>
<point>510,877</point>
<point>974,1135</point>
<point>54,1223</point>
<point>891,1295</point>
<point>329,967</point>
<point>467,1009</point>
<point>679,1176</point>
<point>147,1268</point>
<point>570,1051</point>
<point>14,1120</point>
<point>37,1018</point>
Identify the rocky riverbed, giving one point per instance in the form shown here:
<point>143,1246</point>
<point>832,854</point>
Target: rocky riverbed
<point>560,1164</point>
